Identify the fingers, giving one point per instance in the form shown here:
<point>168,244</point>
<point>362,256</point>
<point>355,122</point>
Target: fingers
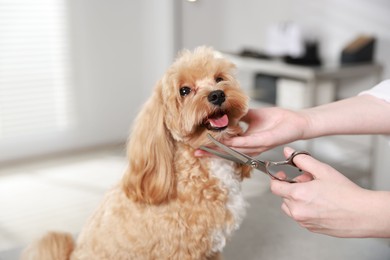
<point>241,142</point>
<point>253,144</point>
<point>304,161</point>
<point>248,116</point>
<point>309,165</point>
<point>281,175</point>
<point>304,177</point>
<point>285,189</point>
<point>281,188</point>
<point>201,153</point>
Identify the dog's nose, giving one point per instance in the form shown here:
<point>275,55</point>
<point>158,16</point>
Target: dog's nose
<point>216,97</point>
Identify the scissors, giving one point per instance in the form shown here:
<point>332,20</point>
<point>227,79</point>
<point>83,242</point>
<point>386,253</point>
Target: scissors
<point>270,168</point>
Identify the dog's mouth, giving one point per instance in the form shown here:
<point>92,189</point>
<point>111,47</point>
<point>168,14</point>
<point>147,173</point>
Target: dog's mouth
<point>216,121</point>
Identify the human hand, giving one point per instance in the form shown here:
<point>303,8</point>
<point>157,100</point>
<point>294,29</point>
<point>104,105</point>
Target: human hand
<point>267,128</point>
<point>325,201</point>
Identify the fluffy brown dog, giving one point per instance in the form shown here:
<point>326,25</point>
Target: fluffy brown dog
<point>170,204</point>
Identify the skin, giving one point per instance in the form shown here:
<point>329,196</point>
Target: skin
<point>324,201</point>
<point>331,204</point>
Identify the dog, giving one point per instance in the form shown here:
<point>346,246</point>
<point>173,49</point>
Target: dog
<point>169,203</point>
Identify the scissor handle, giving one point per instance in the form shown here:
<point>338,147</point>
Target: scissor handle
<point>288,161</point>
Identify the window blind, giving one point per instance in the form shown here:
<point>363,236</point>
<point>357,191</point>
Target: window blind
<point>35,93</point>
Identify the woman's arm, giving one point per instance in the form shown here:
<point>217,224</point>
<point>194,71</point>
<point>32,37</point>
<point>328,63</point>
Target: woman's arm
<point>362,114</point>
<point>270,127</point>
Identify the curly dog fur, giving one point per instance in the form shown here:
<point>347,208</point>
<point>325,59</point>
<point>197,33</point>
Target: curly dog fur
<point>169,203</point>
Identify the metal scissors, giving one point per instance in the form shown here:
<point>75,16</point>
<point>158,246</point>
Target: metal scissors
<point>287,166</point>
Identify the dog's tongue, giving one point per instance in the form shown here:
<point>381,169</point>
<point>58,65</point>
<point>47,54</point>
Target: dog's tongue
<point>219,122</point>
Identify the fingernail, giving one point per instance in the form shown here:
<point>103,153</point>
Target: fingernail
<point>288,150</point>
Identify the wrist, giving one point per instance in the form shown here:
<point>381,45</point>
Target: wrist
<point>372,215</point>
<point>309,124</point>
<point>380,216</point>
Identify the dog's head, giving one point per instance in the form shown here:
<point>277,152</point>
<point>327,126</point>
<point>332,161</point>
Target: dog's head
<point>197,95</point>
<point>201,95</point>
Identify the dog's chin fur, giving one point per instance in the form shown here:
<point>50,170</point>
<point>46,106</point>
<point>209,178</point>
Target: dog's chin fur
<point>169,204</point>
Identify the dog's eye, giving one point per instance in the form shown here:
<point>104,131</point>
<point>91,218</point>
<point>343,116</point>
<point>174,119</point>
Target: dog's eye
<point>218,79</point>
<point>184,91</point>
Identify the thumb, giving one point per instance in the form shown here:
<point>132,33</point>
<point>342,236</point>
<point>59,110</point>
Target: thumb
<point>309,164</point>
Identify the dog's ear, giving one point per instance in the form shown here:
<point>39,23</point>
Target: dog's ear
<point>150,176</point>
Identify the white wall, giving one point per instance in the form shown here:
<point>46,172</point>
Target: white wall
<point>230,25</point>
<point>120,48</point>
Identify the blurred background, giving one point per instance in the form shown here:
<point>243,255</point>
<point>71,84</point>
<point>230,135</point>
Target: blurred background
<point>74,74</point>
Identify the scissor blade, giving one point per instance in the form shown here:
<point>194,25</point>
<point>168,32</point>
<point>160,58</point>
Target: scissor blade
<point>242,157</point>
<point>219,154</point>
